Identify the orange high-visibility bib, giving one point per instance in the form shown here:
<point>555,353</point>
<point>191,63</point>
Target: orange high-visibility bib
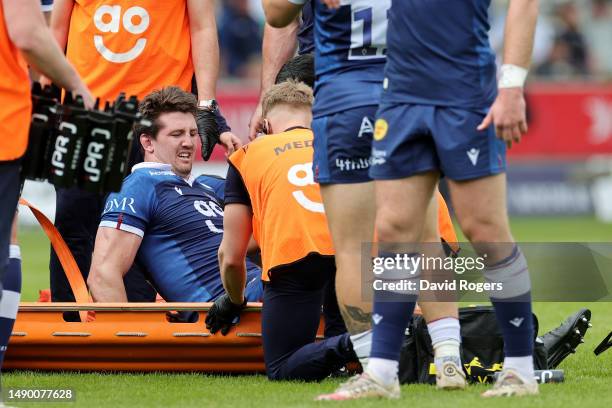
<point>15,102</point>
<point>445,224</point>
<point>131,46</point>
<point>288,216</point>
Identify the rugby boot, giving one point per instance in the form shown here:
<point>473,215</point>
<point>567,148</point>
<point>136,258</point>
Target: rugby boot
<point>450,376</point>
<point>362,386</point>
<point>563,340</point>
<point>510,383</point>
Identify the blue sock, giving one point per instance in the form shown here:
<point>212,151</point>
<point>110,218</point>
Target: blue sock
<point>391,313</point>
<point>513,308</point>
<point>516,324</point>
<point>9,303</point>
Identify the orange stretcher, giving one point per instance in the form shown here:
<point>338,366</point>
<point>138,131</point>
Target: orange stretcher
<point>126,336</point>
<point>132,337</point>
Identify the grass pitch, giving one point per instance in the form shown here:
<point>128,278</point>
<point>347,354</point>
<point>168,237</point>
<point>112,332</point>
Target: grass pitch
<point>588,378</point>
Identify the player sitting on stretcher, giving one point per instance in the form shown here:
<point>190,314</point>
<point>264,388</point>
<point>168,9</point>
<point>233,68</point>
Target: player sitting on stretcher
<point>164,218</point>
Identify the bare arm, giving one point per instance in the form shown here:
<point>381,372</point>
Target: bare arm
<point>508,112</point>
<point>237,231</point>
<point>205,56</point>
<point>204,46</point>
<point>280,13</point>
<point>279,45</point>
<point>519,32</point>
<point>28,31</point>
<point>60,21</point>
<point>113,256</point>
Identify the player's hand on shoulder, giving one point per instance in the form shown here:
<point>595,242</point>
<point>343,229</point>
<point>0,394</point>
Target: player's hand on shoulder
<point>230,141</point>
<point>223,314</point>
<point>508,115</point>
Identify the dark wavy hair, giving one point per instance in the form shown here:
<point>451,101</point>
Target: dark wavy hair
<point>165,100</point>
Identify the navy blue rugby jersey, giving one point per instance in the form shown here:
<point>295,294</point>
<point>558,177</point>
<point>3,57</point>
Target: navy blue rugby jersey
<point>305,34</point>
<point>350,53</point>
<point>181,225</point>
<point>439,54</point>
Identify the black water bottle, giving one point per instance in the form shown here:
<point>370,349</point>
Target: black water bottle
<point>42,127</point>
<point>66,148</point>
<point>96,148</point>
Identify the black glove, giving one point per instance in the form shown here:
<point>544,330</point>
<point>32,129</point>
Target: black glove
<point>208,131</point>
<point>223,314</point>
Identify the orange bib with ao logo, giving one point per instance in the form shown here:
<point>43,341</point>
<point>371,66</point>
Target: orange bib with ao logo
<point>130,46</point>
<point>288,217</point>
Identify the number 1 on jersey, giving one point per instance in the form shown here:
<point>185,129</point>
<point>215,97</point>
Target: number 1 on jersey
<point>368,28</point>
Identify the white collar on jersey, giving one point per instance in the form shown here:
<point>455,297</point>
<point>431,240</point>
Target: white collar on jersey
<point>161,167</point>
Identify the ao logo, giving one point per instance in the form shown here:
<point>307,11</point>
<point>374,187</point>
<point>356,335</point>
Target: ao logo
<point>300,175</point>
<point>108,19</point>
<point>209,209</point>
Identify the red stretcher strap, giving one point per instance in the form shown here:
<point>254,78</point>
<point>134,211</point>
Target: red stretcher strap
<point>71,269</point>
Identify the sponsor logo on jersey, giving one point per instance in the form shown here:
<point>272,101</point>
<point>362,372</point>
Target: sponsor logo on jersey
<point>120,204</point>
<point>366,127</point>
<point>208,208</point>
<point>353,164</point>
<point>378,157</point>
<point>301,175</point>
<point>380,130</point>
<point>292,145</point>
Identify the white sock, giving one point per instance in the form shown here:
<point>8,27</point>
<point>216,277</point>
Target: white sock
<point>447,348</point>
<point>14,252</point>
<point>445,339</point>
<point>445,336</point>
<point>383,370</point>
<point>522,365</point>
<point>362,344</point>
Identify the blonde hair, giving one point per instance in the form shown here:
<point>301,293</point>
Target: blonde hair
<point>296,94</point>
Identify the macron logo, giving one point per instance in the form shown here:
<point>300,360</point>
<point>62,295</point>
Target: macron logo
<point>377,318</point>
<point>517,321</point>
<point>473,155</point>
<point>178,190</point>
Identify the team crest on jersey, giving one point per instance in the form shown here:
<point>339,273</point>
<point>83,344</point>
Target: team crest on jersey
<point>380,130</point>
